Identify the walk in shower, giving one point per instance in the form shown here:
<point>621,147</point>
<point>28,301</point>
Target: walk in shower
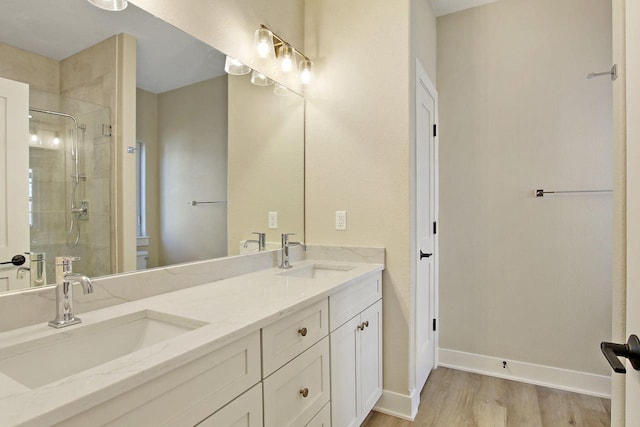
<point>69,182</point>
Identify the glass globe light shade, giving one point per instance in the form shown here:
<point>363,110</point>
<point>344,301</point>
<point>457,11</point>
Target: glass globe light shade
<point>260,79</point>
<point>306,72</point>
<point>234,67</point>
<point>287,59</point>
<point>112,5</point>
<point>263,44</point>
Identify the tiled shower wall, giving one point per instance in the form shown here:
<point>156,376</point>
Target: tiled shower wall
<point>52,171</point>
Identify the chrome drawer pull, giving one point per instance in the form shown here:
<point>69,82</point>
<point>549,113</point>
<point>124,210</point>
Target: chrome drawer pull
<point>304,392</point>
<point>303,332</point>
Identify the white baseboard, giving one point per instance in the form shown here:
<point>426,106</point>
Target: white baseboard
<point>547,376</point>
<point>399,405</point>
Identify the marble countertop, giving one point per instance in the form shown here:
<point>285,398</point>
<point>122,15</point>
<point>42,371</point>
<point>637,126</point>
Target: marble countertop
<point>231,308</point>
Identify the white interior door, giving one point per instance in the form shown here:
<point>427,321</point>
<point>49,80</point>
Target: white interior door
<point>426,213</point>
<point>632,378</point>
<point>14,196</point>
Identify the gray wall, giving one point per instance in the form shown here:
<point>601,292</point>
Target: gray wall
<point>192,136</point>
<point>524,278</point>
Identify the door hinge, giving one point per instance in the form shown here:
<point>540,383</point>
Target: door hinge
<point>434,324</point>
<point>435,132</point>
<point>434,227</point>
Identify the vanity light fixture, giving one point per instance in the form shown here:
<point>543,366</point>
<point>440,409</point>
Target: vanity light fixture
<point>263,43</point>
<point>260,79</point>
<point>112,5</point>
<point>287,59</point>
<point>234,67</point>
<point>267,43</point>
<point>306,72</point>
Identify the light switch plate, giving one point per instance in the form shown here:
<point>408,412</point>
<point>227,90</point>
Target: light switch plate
<point>273,220</point>
<point>341,220</point>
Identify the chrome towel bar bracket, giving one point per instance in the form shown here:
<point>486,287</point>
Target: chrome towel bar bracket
<point>541,192</point>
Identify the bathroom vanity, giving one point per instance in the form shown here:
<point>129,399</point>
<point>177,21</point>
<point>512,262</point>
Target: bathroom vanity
<point>296,347</point>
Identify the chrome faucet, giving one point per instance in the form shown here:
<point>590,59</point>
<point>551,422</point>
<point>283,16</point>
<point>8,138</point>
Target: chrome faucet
<point>37,269</point>
<point>261,241</point>
<point>65,278</point>
<point>285,249</point>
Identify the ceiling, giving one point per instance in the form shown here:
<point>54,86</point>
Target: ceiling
<point>167,57</point>
<point>444,7</point>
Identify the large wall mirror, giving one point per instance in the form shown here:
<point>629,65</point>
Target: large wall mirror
<point>215,154</point>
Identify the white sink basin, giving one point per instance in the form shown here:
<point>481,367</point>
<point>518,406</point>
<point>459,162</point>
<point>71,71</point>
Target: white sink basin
<point>45,360</point>
<point>314,271</point>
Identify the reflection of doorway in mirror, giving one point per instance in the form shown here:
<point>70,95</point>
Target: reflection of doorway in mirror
<point>14,228</point>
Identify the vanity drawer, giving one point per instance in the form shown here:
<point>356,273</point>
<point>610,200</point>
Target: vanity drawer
<point>322,418</point>
<point>288,337</point>
<point>186,395</point>
<point>246,411</point>
<point>284,398</point>
<point>354,299</point>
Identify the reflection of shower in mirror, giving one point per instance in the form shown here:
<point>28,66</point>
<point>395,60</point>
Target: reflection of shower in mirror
<point>78,209</point>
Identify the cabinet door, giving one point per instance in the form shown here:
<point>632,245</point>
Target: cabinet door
<point>245,411</point>
<point>370,357</point>
<point>345,405</point>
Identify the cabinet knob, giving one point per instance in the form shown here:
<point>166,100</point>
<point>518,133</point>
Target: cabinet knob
<point>366,323</point>
<point>304,392</point>
<point>303,332</point>
<point>361,326</point>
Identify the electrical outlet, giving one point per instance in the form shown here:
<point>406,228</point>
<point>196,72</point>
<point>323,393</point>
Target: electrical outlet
<point>273,220</point>
<point>341,220</point>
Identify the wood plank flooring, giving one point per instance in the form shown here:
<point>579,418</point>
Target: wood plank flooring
<point>454,398</point>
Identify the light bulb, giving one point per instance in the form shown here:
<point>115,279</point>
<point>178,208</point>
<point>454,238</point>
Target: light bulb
<point>286,58</point>
<point>306,72</point>
<point>56,141</point>
<point>263,48</point>
<point>34,137</point>
<point>263,43</point>
<point>286,64</point>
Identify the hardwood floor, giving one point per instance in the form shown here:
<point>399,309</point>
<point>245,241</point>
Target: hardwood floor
<point>454,398</point>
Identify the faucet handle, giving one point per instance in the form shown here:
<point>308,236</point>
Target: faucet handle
<point>258,233</point>
<point>285,238</point>
<point>66,260</point>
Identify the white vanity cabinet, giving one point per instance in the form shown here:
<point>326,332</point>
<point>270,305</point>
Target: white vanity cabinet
<point>295,362</point>
<point>288,337</point>
<point>316,363</point>
<point>185,396</point>
<point>322,418</point>
<point>294,394</point>
<point>356,352</point>
<point>245,411</point>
